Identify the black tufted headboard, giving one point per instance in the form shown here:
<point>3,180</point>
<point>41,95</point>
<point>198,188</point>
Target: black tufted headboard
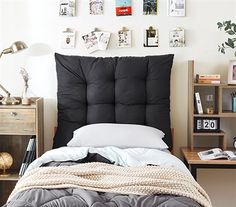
<point>134,90</point>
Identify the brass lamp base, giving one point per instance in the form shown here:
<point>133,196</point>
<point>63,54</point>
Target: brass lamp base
<point>9,101</point>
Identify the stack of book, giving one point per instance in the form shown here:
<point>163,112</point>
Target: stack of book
<point>208,79</point>
<point>30,155</point>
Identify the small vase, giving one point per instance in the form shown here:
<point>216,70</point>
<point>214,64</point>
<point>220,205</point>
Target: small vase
<point>25,100</point>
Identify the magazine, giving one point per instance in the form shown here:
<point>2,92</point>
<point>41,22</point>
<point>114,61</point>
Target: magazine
<point>217,153</point>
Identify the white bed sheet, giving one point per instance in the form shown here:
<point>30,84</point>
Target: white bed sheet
<point>124,157</point>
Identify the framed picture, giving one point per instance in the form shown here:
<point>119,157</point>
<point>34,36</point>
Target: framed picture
<point>96,7</point>
<point>124,38</point>
<point>67,8</point>
<point>68,39</point>
<point>232,72</point>
<point>149,7</point>
<point>123,7</point>
<point>176,8</point>
<point>177,37</point>
<point>151,37</point>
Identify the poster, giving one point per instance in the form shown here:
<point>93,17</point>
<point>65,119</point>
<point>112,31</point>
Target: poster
<point>68,39</point>
<point>149,7</point>
<point>67,8</point>
<point>151,37</point>
<point>124,38</point>
<point>176,8</point>
<point>123,7</point>
<point>96,7</point>
<point>177,38</point>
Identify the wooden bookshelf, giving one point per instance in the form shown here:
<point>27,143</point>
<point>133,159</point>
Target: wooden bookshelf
<point>17,124</point>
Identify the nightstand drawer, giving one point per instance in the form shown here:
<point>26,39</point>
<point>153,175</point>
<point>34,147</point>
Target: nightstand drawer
<point>17,121</point>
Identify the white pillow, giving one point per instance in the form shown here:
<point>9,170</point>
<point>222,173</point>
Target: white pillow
<point>118,135</point>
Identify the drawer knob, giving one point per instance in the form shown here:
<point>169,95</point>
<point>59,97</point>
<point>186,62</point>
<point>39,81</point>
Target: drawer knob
<point>13,113</point>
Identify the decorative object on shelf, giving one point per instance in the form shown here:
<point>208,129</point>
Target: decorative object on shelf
<point>123,7</point>
<point>232,72</point>
<point>124,38</point>
<point>151,37</point>
<point>68,39</point>
<point>14,48</point>
<point>177,38</point>
<point>149,7</point>
<point>210,104</point>
<point>234,142</point>
<point>96,7</point>
<point>230,28</point>
<point>6,162</point>
<point>198,103</point>
<point>176,8</point>
<point>233,95</point>
<point>25,99</point>
<point>205,124</point>
<point>67,8</point>
<point>96,40</point>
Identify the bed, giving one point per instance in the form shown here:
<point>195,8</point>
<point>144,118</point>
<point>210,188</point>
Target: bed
<point>113,140</point>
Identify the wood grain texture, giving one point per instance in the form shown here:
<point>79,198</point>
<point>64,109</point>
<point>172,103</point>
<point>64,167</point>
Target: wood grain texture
<point>17,124</point>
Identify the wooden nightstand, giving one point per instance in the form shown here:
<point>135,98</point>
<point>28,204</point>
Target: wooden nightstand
<point>193,162</point>
<point>17,124</point>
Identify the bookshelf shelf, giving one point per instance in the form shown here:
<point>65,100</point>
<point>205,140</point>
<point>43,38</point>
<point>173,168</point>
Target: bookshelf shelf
<point>17,125</point>
<point>221,103</point>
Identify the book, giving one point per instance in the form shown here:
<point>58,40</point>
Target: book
<point>209,81</point>
<point>28,155</point>
<point>208,76</point>
<point>198,103</point>
<point>217,153</point>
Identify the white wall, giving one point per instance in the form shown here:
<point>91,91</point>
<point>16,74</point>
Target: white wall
<point>38,22</point>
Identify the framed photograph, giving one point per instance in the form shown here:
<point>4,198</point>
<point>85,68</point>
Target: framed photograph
<point>176,37</point>
<point>151,37</point>
<point>124,38</point>
<point>232,72</point>
<point>96,7</point>
<point>68,39</point>
<point>176,8</point>
<point>67,8</point>
<point>123,7</point>
<point>149,7</point>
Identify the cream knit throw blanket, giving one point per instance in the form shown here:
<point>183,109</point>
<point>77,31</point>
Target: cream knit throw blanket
<point>111,178</point>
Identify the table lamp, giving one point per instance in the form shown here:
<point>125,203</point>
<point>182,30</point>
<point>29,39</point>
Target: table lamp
<point>14,48</point>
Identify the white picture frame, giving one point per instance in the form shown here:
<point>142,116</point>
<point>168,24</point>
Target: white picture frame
<point>177,37</point>
<point>176,8</point>
<point>232,72</point>
<point>67,8</point>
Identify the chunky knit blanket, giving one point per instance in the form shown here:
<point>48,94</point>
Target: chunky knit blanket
<point>111,178</point>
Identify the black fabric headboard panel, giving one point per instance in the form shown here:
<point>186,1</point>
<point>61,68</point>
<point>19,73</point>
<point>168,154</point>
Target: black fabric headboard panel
<point>133,90</point>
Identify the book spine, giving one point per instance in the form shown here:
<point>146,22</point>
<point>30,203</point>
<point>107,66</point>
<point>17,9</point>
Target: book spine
<point>198,103</point>
<point>209,81</point>
<point>206,77</point>
<point>26,156</point>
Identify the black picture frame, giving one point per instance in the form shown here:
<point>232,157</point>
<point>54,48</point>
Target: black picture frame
<point>206,124</point>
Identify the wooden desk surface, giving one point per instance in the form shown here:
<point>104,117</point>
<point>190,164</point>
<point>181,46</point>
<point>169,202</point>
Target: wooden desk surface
<point>192,157</point>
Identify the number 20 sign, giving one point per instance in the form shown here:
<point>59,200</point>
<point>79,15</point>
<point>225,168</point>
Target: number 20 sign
<point>202,124</point>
